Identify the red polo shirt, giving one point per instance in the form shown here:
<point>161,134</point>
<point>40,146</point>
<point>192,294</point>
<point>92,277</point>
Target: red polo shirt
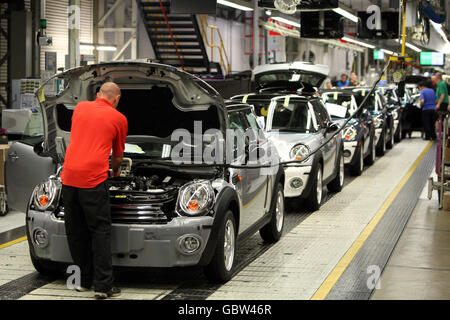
<point>96,129</point>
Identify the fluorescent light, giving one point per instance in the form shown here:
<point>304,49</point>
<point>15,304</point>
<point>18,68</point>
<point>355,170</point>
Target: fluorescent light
<point>106,48</point>
<point>364,44</point>
<point>409,45</point>
<point>287,21</point>
<point>87,47</point>
<point>268,12</point>
<point>235,4</point>
<point>389,52</point>
<point>346,14</point>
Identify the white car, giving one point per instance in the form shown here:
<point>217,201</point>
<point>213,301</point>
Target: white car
<point>297,125</point>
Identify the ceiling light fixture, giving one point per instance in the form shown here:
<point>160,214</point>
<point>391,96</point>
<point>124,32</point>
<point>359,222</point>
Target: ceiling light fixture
<point>364,44</point>
<point>287,21</point>
<point>409,45</point>
<point>236,4</point>
<point>346,14</point>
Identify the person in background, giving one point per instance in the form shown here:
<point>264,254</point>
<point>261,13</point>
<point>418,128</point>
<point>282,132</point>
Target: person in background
<point>441,93</point>
<point>428,105</point>
<point>329,85</point>
<point>354,80</point>
<point>344,81</point>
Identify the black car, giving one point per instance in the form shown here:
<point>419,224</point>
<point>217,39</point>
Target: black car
<point>382,117</point>
<point>393,103</point>
<point>359,133</point>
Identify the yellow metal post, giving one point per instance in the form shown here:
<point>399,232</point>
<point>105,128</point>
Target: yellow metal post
<point>403,27</point>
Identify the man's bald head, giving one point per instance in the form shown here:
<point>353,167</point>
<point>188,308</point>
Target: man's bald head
<point>111,92</point>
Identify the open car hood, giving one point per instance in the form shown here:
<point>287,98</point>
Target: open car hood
<point>80,84</point>
<point>279,75</point>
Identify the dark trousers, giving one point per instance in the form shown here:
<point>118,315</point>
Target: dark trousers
<point>87,216</point>
<point>428,119</point>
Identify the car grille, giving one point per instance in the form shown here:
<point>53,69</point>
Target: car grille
<point>142,207</point>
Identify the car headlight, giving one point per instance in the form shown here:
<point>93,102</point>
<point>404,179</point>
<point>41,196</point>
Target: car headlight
<point>299,152</point>
<point>195,198</point>
<point>395,115</point>
<point>349,133</point>
<point>377,122</point>
<point>46,195</point>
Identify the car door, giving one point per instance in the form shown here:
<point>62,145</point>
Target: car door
<point>329,150</point>
<point>24,169</point>
<point>251,186</point>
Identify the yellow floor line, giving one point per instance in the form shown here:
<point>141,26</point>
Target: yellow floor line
<point>7,244</point>
<point>339,269</point>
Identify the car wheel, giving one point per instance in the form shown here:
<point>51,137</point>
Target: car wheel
<point>219,270</point>
<point>314,199</point>
<point>390,143</point>
<point>337,183</point>
<point>381,149</point>
<point>370,160</point>
<point>357,168</point>
<point>273,230</point>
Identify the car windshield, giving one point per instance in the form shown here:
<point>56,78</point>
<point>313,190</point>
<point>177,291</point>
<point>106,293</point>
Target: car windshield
<point>286,78</point>
<point>370,102</point>
<point>344,100</point>
<point>294,116</point>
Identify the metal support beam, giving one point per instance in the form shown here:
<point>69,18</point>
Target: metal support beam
<point>255,34</point>
<point>74,33</point>
<point>124,47</point>
<point>102,20</point>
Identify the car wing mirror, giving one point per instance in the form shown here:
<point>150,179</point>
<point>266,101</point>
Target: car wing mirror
<point>332,127</point>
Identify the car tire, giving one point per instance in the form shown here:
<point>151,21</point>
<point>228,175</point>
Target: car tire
<point>381,149</point>
<point>220,269</point>
<point>337,183</point>
<point>390,143</point>
<point>272,231</point>
<point>357,168</point>
<point>370,159</point>
<point>314,199</point>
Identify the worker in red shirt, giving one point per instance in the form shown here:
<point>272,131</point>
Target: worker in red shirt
<point>97,128</point>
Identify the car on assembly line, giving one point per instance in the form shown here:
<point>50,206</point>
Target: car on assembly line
<point>359,133</point>
<point>298,125</point>
<point>288,77</point>
<point>166,211</point>
<point>393,103</point>
<point>382,117</point>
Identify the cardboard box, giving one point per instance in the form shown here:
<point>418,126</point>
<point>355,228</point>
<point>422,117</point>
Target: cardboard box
<point>446,201</point>
<point>3,154</point>
<point>447,152</point>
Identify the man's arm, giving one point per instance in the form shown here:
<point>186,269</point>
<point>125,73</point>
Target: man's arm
<point>116,161</point>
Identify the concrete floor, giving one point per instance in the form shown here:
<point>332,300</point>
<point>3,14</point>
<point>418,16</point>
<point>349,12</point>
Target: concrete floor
<point>419,267</point>
<point>296,266</point>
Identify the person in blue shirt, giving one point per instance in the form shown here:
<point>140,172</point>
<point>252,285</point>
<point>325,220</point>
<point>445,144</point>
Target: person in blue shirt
<point>428,105</point>
<point>344,81</point>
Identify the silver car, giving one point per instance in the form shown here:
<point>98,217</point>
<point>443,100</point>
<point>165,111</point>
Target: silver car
<point>298,125</point>
<point>165,212</point>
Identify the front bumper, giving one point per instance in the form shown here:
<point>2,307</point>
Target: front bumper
<point>292,173</point>
<point>349,151</point>
<point>131,245</point>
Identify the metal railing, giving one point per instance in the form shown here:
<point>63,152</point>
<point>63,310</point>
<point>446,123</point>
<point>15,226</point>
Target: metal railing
<point>224,61</point>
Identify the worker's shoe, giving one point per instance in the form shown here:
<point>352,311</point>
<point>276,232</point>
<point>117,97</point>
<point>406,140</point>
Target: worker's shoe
<point>113,292</point>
